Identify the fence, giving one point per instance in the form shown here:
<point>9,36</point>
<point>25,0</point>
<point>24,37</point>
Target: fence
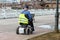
<point>10,13</point>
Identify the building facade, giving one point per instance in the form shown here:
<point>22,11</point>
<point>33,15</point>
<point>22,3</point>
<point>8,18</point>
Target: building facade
<point>36,3</point>
<point>51,3</point>
<point>31,3</point>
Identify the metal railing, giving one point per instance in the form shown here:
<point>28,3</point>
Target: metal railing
<point>10,13</point>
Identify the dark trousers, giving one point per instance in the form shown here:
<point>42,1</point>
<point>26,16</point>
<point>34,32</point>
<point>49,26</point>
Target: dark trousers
<point>30,21</point>
<point>31,24</point>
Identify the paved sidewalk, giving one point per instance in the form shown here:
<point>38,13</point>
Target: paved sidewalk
<point>13,36</point>
<point>8,28</point>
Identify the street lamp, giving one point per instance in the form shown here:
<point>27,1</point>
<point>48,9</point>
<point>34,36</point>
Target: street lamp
<point>57,17</point>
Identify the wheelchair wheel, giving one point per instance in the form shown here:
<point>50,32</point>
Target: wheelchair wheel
<point>17,30</point>
<point>24,31</point>
<point>31,32</point>
<point>28,32</point>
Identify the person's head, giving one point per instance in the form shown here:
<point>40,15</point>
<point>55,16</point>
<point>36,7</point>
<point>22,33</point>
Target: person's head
<point>26,7</point>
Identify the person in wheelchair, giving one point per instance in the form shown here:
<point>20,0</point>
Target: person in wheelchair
<point>26,17</point>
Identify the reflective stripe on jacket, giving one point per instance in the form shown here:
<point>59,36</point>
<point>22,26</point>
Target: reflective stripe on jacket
<point>22,19</point>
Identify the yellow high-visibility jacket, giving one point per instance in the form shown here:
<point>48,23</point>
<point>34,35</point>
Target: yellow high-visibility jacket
<point>22,19</point>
